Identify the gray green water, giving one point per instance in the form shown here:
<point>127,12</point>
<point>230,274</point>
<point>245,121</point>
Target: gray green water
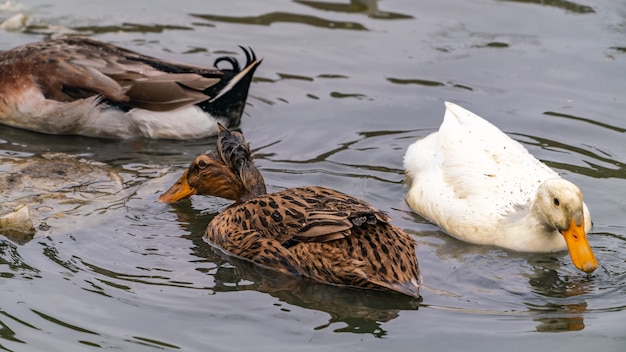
<point>344,89</point>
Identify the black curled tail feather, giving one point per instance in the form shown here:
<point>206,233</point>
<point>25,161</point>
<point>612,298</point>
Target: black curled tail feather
<point>231,60</point>
<point>250,58</point>
<point>250,55</point>
<point>228,98</point>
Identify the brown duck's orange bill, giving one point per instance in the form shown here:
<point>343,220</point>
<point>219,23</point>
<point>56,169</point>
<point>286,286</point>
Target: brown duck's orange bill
<point>579,248</point>
<point>179,190</point>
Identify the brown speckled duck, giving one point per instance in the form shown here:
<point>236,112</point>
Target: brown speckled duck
<point>82,86</point>
<point>315,232</point>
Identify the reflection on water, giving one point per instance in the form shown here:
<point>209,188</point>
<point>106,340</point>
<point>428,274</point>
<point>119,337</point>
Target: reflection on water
<point>362,311</point>
<point>53,254</point>
<point>568,317</point>
<point>586,120</point>
<point>560,308</point>
<point>122,272</point>
<point>62,323</point>
<point>332,94</point>
<point>427,83</point>
<point>55,31</point>
<point>12,264</point>
<point>6,332</point>
<point>131,27</point>
<point>59,31</point>
<point>368,7</point>
<point>597,165</point>
<point>284,17</point>
<point>566,5</point>
<point>545,286</point>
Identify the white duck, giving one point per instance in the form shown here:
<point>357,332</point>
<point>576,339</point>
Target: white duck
<point>481,186</point>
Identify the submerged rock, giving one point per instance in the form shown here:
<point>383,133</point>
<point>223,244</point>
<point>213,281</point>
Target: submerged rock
<point>16,22</point>
<point>18,225</point>
<point>36,190</point>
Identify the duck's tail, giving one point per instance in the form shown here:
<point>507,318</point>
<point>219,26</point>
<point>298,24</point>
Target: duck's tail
<point>410,288</point>
<point>230,100</point>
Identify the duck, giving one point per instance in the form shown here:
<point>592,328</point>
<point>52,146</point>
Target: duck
<point>314,232</point>
<point>481,186</point>
<point>82,86</point>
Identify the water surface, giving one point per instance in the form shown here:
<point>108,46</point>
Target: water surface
<point>344,89</point>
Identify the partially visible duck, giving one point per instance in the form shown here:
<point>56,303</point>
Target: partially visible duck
<point>481,186</point>
<point>315,232</point>
<point>82,86</point>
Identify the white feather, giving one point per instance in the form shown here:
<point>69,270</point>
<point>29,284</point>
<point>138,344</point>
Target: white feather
<point>480,185</point>
<point>86,117</point>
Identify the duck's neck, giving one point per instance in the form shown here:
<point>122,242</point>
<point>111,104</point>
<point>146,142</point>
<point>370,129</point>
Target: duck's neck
<point>527,228</point>
<point>253,184</point>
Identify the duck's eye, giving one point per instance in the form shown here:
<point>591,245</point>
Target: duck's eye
<point>556,201</point>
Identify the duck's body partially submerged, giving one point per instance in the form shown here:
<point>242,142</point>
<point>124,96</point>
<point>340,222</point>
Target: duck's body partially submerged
<point>481,186</point>
<point>313,231</point>
<point>86,87</point>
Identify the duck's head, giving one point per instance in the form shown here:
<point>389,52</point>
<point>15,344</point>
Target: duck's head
<point>227,172</point>
<point>561,206</point>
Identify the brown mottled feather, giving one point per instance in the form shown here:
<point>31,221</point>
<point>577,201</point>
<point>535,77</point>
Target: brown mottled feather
<point>317,232</point>
<point>325,246</point>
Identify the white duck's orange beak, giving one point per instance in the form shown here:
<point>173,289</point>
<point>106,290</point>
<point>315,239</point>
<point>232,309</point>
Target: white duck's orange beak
<point>579,248</point>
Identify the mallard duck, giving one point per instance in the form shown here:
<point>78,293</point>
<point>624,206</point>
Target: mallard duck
<point>82,86</point>
<point>315,232</point>
<point>481,186</point>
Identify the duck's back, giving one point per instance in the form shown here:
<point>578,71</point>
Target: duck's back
<point>87,87</point>
<point>322,234</point>
<point>467,175</point>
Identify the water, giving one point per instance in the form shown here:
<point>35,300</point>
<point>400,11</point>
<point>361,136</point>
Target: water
<point>344,89</point>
